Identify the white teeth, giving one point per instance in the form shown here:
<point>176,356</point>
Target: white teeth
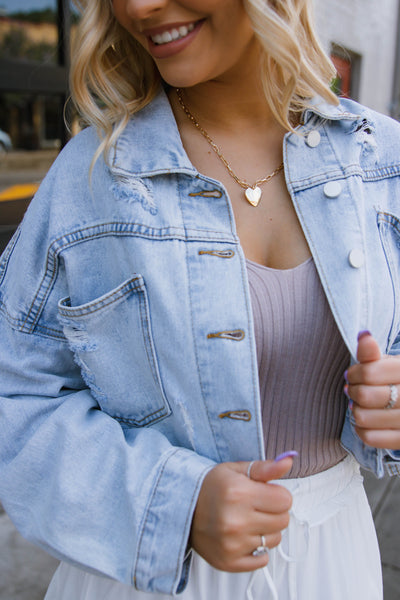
<point>166,37</point>
<point>174,34</point>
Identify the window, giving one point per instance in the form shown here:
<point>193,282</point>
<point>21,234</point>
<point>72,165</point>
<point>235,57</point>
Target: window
<point>348,66</point>
<point>34,62</point>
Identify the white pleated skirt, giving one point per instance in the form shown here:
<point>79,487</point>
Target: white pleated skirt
<point>328,552</point>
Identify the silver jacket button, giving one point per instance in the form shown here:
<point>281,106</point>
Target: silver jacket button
<point>356,258</point>
<point>313,139</point>
<point>332,189</point>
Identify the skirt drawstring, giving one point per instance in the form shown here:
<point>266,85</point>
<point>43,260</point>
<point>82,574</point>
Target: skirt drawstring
<point>269,580</point>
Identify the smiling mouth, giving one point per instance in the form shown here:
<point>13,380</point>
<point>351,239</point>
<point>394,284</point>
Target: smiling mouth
<point>172,35</point>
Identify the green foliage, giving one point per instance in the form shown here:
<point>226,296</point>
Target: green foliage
<point>47,15</point>
<point>336,85</point>
<point>16,45</point>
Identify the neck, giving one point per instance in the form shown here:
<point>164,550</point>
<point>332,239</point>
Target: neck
<point>218,105</point>
<point>233,98</point>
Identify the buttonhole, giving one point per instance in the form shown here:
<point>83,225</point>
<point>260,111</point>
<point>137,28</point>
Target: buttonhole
<point>236,335</point>
<point>236,415</point>
<point>218,253</point>
<point>207,194</point>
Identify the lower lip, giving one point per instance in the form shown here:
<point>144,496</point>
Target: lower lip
<point>174,47</point>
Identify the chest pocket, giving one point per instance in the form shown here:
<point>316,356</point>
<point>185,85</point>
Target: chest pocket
<point>112,342</point>
<point>389,231</point>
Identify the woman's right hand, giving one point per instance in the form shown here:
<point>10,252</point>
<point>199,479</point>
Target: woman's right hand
<point>233,511</point>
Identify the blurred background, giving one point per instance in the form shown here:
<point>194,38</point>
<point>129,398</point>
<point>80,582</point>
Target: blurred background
<point>363,40</point>
<point>35,41</point>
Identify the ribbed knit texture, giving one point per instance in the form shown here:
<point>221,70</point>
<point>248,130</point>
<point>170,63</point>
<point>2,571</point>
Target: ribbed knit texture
<point>301,360</point>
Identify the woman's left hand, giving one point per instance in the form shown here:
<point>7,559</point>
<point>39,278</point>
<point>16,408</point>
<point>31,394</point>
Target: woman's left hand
<point>373,386</point>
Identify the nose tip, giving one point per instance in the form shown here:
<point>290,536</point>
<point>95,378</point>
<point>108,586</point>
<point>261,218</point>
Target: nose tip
<point>143,9</point>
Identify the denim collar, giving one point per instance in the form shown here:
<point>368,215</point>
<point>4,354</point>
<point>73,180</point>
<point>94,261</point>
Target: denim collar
<point>320,108</point>
<point>151,144</point>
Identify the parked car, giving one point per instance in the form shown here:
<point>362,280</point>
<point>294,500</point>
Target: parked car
<point>5,142</point>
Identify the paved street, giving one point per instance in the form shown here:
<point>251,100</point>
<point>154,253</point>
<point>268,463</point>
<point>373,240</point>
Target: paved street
<point>25,571</point>
<point>384,497</point>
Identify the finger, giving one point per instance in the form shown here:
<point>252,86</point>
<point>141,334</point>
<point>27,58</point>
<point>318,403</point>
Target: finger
<point>241,558</point>
<point>269,470</point>
<point>380,372</point>
<point>371,396</point>
<point>271,541</point>
<point>268,497</point>
<point>368,418</point>
<point>367,349</point>
<point>380,438</point>
<point>243,564</point>
<point>267,523</point>
<point>271,498</point>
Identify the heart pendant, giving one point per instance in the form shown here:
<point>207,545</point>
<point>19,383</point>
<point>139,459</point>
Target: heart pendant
<point>253,195</point>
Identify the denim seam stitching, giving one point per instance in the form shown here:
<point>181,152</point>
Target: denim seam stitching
<point>255,395</point>
<point>132,421</point>
<point>7,254</point>
<point>165,409</point>
<point>151,354</point>
<point>224,194</point>
<point>40,330</point>
<point>387,219</point>
<point>101,304</point>
<point>195,348</point>
<point>145,517</point>
<point>354,170</point>
<point>312,248</point>
<point>189,515</point>
<point>51,270</point>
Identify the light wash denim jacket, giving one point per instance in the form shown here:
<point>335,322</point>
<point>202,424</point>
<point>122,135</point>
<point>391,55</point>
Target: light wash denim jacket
<point>127,353</point>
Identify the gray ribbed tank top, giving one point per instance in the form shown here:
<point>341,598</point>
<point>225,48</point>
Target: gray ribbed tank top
<point>301,361</point>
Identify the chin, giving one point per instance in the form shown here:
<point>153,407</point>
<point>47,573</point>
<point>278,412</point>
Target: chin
<point>182,77</point>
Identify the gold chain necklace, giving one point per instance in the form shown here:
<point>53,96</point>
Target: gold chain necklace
<point>252,192</point>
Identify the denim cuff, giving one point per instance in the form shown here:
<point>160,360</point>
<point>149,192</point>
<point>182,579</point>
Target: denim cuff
<point>392,462</point>
<point>163,562</point>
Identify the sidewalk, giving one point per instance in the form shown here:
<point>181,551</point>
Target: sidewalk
<point>384,497</point>
<point>25,571</point>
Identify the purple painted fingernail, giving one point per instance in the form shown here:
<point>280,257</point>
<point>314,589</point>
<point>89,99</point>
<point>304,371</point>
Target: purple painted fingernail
<point>345,376</point>
<point>362,334</point>
<point>289,454</point>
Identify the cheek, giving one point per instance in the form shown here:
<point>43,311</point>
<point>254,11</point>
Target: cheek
<point>118,9</point>
<point>122,17</point>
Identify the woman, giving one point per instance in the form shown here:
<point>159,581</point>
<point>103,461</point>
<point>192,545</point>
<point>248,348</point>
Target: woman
<point>182,300</point>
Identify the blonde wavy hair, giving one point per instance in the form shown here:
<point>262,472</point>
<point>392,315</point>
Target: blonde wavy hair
<point>112,76</point>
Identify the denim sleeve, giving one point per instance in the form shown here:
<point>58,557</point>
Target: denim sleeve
<point>115,501</point>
